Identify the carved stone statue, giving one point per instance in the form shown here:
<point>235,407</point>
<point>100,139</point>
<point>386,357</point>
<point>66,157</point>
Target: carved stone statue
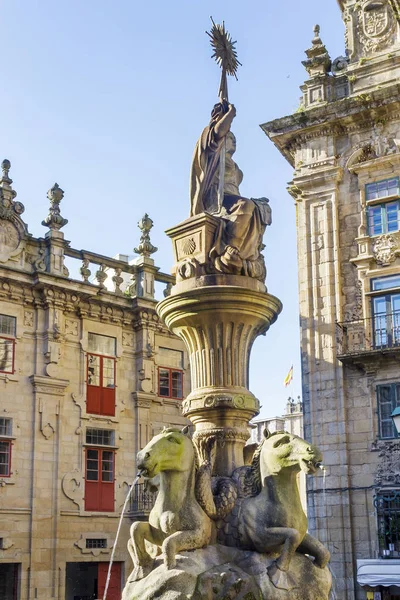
<point>214,188</point>
<point>264,512</point>
<point>176,521</point>
<point>228,520</point>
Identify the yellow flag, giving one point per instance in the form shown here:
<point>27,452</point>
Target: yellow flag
<point>288,377</point>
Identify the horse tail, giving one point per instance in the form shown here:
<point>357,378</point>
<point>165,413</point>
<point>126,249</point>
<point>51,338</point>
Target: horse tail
<point>225,495</point>
<point>216,495</point>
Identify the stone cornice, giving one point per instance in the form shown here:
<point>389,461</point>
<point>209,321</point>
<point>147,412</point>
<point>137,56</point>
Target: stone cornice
<point>72,298</point>
<point>345,116</point>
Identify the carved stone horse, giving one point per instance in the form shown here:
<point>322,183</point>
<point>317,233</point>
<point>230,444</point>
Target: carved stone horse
<point>266,514</point>
<point>176,522</point>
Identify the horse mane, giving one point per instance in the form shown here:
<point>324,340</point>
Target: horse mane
<point>253,476</point>
<point>176,430</point>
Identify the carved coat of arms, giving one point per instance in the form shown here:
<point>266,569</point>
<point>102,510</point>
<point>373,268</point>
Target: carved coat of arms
<point>375,19</point>
<point>376,24</point>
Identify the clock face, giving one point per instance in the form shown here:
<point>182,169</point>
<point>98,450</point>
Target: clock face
<point>9,237</point>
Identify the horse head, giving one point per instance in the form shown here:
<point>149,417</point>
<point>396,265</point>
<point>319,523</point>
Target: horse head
<point>170,450</point>
<point>284,451</point>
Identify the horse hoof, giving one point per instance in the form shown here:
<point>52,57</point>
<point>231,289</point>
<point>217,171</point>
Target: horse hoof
<point>140,572</point>
<point>281,579</point>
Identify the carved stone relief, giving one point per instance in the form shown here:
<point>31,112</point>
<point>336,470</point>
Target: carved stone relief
<point>375,26</point>
<point>28,318</point>
<point>71,486</point>
<point>385,249</point>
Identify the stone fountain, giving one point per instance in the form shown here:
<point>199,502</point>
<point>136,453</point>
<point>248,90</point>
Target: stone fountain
<point>227,522</point>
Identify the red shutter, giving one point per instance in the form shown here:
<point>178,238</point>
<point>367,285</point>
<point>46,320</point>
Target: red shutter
<point>99,484</point>
<point>100,395</point>
<point>114,587</point>
<point>106,491</point>
<point>92,486</point>
<point>93,377</point>
<point>108,402</point>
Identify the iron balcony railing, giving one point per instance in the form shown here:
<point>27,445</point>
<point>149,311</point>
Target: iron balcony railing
<point>380,332</point>
<point>142,500</point>
<point>387,504</point>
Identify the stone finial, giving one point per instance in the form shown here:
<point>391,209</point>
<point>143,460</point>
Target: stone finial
<point>8,207</point>
<point>54,220</point>
<point>145,247</point>
<point>5,167</point>
<point>319,61</point>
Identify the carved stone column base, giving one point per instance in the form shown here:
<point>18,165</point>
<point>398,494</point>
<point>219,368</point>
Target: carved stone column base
<point>218,572</point>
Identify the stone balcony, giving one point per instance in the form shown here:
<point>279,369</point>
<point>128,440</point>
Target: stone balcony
<point>141,503</point>
<point>368,337</point>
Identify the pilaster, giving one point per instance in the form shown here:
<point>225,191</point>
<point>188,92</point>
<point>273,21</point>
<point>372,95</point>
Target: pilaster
<point>48,397</point>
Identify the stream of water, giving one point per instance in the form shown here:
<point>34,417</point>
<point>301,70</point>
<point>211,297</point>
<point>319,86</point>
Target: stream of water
<point>134,482</point>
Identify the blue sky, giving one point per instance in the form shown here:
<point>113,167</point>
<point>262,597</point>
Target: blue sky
<point>108,100</point>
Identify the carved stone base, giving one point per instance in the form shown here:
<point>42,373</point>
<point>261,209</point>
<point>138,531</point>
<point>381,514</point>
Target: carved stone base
<point>218,572</point>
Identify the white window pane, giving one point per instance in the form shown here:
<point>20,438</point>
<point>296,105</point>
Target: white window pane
<point>102,344</point>
<point>170,358</point>
<point>8,325</point>
<point>385,283</point>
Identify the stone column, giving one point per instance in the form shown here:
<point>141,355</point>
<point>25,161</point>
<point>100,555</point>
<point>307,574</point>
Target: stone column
<point>218,317</point>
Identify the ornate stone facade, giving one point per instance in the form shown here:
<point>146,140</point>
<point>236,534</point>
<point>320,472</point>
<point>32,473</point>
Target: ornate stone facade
<point>342,143</point>
<point>45,523</point>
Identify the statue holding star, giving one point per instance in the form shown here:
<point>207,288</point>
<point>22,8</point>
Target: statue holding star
<point>215,179</point>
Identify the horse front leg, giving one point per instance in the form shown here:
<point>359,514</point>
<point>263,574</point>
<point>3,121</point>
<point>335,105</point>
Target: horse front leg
<point>181,540</point>
<point>310,545</point>
<point>142,561</point>
<point>278,571</point>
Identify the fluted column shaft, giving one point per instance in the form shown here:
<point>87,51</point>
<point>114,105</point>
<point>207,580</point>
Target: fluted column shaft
<point>219,325</point>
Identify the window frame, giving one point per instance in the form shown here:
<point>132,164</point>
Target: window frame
<point>395,402</point>
<point>381,203</point>
<point>94,487</point>
<point>170,387</point>
<point>390,318</point>
<point>90,394</point>
<point>9,443</point>
<point>10,338</point>
<point>7,438</point>
<point>386,515</point>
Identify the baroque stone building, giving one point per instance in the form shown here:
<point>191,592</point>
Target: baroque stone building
<point>344,143</point>
<point>88,374</point>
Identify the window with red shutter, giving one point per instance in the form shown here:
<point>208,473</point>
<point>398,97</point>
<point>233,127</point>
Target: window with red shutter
<point>101,380</point>
<point>5,446</point>
<point>99,484</point>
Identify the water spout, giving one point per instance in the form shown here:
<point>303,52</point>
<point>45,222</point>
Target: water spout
<point>134,482</point>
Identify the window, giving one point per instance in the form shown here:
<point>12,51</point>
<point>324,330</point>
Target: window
<point>7,343</point>
<point>100,437</point>
<point>170,375</point>
<point>99,484</point>
<point>101,375</point>
<point>383,218</point>
<point>382,189</point>
<point>388,397</point>
<point>387,504</point>
<point>5,447</point>
<point>96,543</point>
<point>170,383</point>
<point>386,312</point>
